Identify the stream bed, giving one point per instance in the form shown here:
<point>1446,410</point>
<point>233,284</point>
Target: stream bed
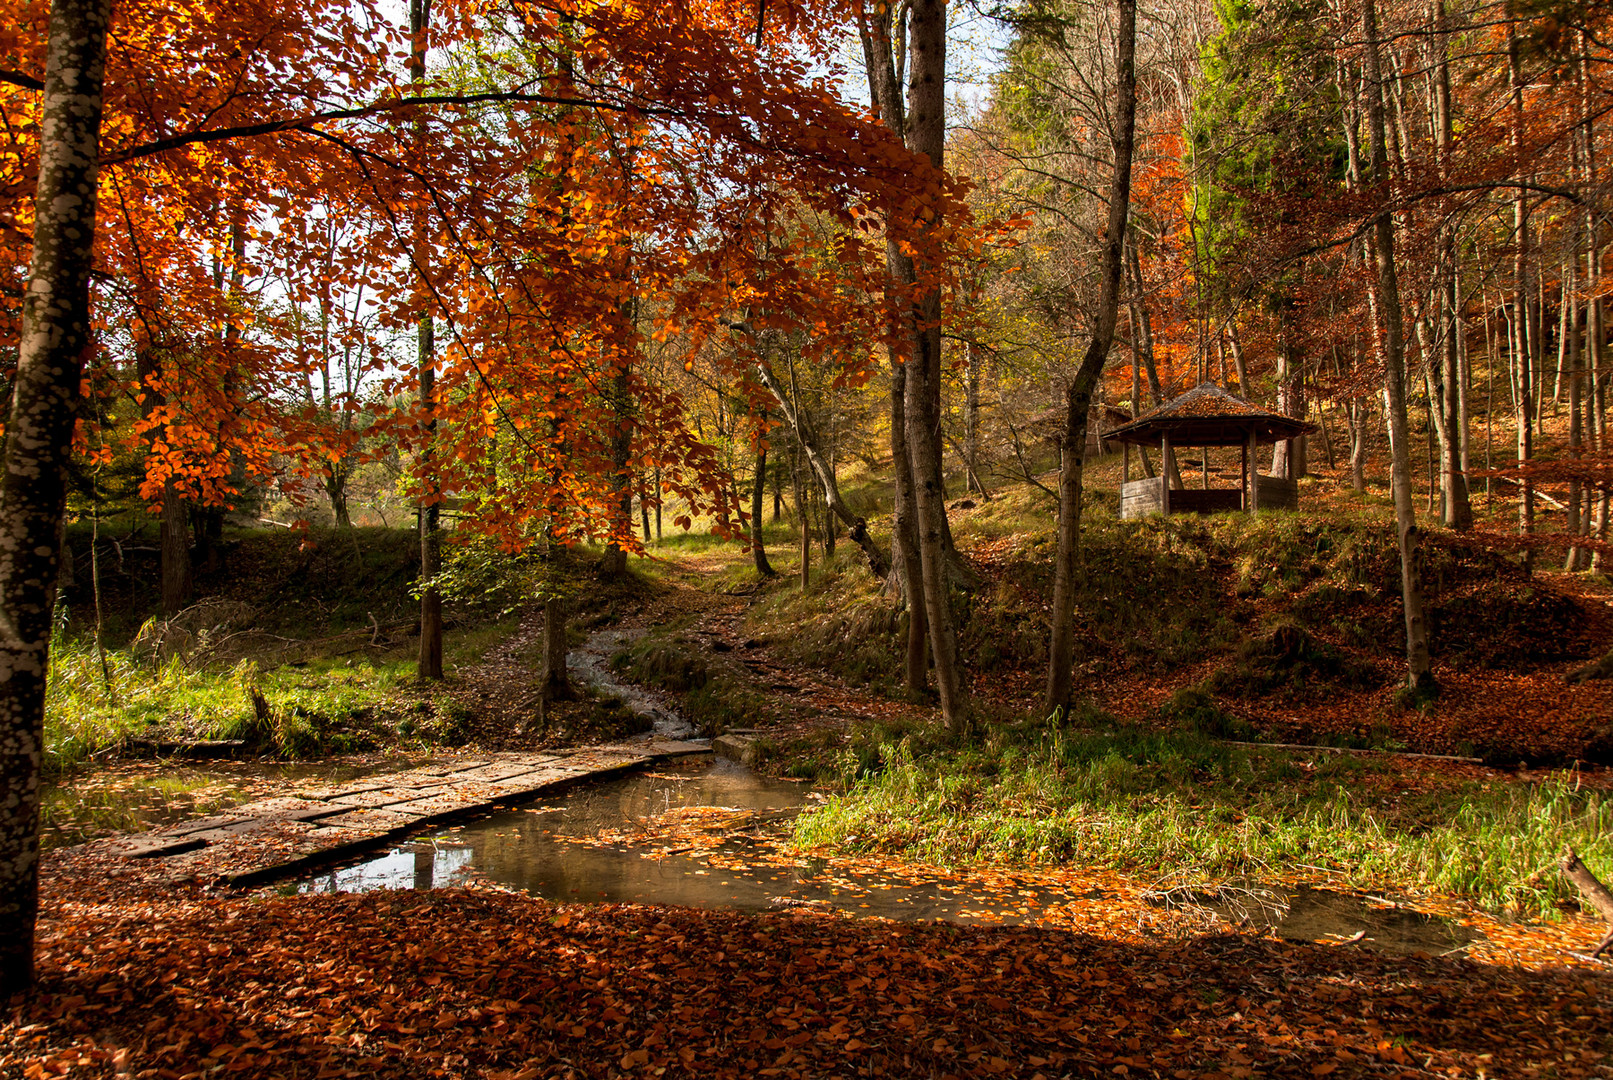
<point>610,843</point>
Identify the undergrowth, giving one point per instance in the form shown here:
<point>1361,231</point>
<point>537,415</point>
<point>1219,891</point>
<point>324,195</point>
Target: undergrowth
<point>324,706</point>
<point>1150,802</point>
<point>713,696</point>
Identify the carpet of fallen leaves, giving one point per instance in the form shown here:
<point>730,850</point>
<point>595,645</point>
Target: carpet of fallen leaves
<point>489,984</point>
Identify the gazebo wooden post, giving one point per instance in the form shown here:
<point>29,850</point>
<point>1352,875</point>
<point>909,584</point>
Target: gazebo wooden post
<point>1243,475</point>
<point>1252,452</point>
<point>1165,474</point>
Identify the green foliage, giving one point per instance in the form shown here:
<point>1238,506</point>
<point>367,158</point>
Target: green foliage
<point>1185,804</point>
<point>711,695</point>
<point>326,705</point>
<point>1266,124</point>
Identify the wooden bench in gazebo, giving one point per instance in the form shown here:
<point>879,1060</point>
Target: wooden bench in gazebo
<point>1207,416</point>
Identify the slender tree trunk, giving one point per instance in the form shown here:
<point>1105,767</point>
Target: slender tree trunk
<point>758,490</point>
<point>429,663</point>
<point>971,419</point>
<point>806,436</point>
<point>174,567</point>
<point>1358,446</point>
<point>55,339</point>
<point>1421,676</point>
<point>1078,399</point>
<point>1527,333</point>
<point>1238,363</point>
<point>1450,399</point>
<point>614,562</point>
<point>804,520</point>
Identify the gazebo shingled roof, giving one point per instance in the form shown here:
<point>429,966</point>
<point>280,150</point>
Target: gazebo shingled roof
<point>1209,416</point>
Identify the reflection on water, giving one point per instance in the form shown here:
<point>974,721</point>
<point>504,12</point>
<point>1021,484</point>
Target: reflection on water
<point>418,866</point>
<point>535,849</point>
<point>1308,914</point>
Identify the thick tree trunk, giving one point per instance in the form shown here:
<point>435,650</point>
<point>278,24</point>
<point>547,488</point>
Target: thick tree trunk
<point>429,661</point>
<point>56,335</point>
<point>905,545</point>
<point>926,134</point>
<point>1078,399</point>
<point>175,548</point>
<point>555,685</point>
<point>1421,676</point>
<point>336,491</point>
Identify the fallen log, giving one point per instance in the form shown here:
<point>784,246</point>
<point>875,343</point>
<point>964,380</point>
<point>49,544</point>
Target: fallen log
<point>1595,893</point>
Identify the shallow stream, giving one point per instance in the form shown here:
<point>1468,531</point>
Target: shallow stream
<point>698,833</point>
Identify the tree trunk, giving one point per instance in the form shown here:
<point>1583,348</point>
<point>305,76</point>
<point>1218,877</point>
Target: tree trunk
<point>1078,398</point>
<point>555,685</point>
<point>174,525</point>
<point>926,119</point>
<point>971,420</point>
<point>1451,412</point>
<point>336,491</point>
<point>806,435</point>
<point>55,337</point>
<point>758,491</point>
<point>614,562</point>
<point>429,662</point>
<point>904,544</point>
<point>176,570</point>
<point>1526,333</point>
<point>1421,676</point>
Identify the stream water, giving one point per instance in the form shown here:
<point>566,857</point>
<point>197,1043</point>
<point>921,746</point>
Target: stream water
<point>595,845</point>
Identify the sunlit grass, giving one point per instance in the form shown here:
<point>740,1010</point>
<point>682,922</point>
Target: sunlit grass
<point>1156,804</point>
<point>90,708</point>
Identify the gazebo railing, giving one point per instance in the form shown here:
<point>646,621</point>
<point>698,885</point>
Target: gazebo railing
<point>1140,498</point>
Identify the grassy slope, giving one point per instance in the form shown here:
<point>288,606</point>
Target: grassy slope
<point>1283,627</point>
<point>302,640</point>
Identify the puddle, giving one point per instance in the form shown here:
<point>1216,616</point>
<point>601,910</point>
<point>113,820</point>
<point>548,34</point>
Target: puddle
<point>535,849</point>
<point>1310,914</point>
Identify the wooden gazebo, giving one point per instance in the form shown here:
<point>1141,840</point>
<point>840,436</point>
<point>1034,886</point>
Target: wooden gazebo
<point>1207,416</point>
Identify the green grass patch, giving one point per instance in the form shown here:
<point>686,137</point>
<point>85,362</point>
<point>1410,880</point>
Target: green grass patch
<point>712,695</point>
<point>329,705</point>
<point>1151,803</point>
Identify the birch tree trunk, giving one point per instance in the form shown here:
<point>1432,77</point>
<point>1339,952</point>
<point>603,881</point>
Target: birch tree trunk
<point>1078,398</point>
<point>39,434</point>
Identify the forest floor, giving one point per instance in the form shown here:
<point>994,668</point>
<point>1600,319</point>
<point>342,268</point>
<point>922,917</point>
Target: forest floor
<point>139,978</point>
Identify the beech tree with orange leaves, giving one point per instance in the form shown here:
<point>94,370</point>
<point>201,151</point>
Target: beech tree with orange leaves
<point>506,211</point>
